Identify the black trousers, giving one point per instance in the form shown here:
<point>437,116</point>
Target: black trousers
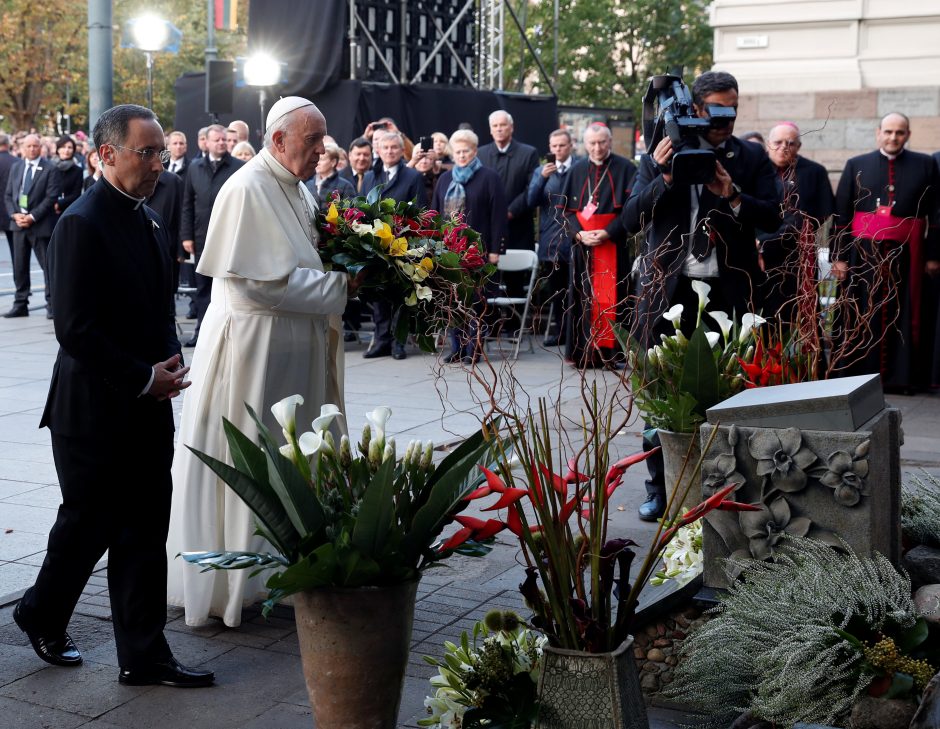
<point>116,497</point>
<point>685,295</point>
<point>202,297</point>
<point>9,234</point>
<point>25,241</point>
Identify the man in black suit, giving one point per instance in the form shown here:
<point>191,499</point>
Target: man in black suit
<point>514,162</point>
<point>360,162</point>
<point>31,192</point>
<point>179,162</point>
<point>7,161</point>
<point>401,183</point>
<point>203,182</point>
<point>109,411</point>
<point>699,232</point>
<point>167,202</point>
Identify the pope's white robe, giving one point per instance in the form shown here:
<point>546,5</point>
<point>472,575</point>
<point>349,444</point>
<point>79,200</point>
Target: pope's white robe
<point>273,329</point>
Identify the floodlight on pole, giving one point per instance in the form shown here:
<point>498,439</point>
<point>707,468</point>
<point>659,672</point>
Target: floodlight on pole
<point>151,34</point>
<point>261,71</point>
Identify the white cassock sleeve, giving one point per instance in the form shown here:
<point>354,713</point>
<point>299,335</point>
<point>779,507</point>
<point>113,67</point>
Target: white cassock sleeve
<point>304,291</point>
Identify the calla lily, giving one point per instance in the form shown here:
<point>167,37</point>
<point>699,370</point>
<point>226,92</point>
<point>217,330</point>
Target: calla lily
<point>327,413</point>
<point>423,293</point>
<point>701,290</point>
<point>310,444</point>
<point>285,413</point>
<point>712,338</point>
<point>723,321</point>
<point>749,322</point>
<point>674,314</point>
<point>332,215</point>
<point>378,418</point>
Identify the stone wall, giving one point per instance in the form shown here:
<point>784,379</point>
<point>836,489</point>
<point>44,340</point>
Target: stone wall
<point>836,125</point>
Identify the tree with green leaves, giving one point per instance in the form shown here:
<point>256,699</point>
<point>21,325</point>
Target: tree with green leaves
<point>607,49</point>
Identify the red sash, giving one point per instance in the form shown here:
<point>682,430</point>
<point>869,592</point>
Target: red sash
<point>882,225</point>
<point>603,271</point>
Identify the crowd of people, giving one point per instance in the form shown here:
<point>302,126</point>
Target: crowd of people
<point>269,317</point>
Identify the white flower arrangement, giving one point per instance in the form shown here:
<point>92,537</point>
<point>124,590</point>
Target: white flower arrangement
<point>682,560</point>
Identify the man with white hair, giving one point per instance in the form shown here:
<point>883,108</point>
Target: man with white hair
<point>789,253</point>
<point>272,330</point>
<point>514,162</point>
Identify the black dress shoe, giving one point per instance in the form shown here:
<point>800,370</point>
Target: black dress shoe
<point>453,357</point>
<point>190,342</point>
<point>551,341</point>
<point>377,352</point>
<point>59,651</point>
<point>398,352</point>
<point>16,311</point>
<point>49,315</point>
<point>350,337</point>
<point>652,509</point>
<point>169,673</point>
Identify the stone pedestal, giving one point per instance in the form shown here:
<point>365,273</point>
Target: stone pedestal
<point>822,459</point>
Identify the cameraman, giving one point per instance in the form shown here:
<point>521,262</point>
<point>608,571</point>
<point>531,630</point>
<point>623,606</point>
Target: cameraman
<point>703,232</point>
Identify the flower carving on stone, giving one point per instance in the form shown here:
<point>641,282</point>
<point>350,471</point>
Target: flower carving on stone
<point>765,528</point>
<point>781,457</point>
<point>847,476</point>
<point>720,472</point>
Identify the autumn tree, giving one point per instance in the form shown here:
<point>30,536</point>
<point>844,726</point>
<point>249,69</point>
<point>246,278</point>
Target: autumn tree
<point>607,49</point>
<point>43,52</point>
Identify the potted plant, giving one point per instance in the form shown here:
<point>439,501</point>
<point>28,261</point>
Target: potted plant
<point>675,382</point>
<point>352,531</point>
<point>578,579</point>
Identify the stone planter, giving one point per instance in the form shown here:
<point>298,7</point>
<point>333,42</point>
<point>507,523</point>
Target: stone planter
<point>591,690</point>
<point>354,643</point>
<point>675,451</point>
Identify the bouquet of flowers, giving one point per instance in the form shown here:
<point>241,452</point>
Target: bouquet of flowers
<point>675,382</point>
<point>429,267</point>
<point>339,515</point>
<point>493,682</point>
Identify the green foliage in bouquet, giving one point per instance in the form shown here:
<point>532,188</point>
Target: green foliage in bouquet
<point>491,683</point>
<point>430,268</point>
<point>338,518</point>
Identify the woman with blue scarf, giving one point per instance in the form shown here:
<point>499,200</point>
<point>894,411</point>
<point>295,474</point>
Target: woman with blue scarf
<point>477,192</point>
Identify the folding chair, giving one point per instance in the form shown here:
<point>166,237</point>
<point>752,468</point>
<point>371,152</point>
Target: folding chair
<point>518,260</point>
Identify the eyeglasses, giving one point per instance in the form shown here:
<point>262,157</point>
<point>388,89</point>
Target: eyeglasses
<point>147,154</point>
<point>784,143</point>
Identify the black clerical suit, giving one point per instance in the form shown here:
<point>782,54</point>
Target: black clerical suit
<point>665,213</point>
<point>203,181</point>
<point>514,167</point>
<point>112,444</point>
<point>807,203</point>
<point>407,184</point>
<point>41,193</point>
<point>167,202</point>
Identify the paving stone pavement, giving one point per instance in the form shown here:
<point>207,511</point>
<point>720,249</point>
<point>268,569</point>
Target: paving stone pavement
<point>260,684</point>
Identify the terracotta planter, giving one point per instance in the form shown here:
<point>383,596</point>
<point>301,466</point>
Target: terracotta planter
<point>675,449</point>
<point>591,690</point>
<point>354,643</point>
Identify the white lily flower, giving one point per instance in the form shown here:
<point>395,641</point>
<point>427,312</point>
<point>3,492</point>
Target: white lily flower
<point>674,315</point>
<point>723,321</point>
<point>284,413</point>
<point>378,418</point>
<point>712,338</point>
<point>701,290</point>
<point>750,322</point>
<point>310,444</point>
<point>327,413</point>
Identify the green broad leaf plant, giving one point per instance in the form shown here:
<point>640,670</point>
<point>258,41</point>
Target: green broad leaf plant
<point>338,517</point>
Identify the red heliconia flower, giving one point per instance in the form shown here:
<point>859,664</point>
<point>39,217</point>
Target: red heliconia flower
<point>514,522</point>
<point>469,521</point>
<point>491,528</point>
<point>620,467</point>
<point>461,536</point>
<point>493,480</point>
<point>508,497</point>
<point>557,482</point>
<point>573,476</point>
<point>568,509</point>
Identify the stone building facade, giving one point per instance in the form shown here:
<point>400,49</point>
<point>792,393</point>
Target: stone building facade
<point>834,67</point>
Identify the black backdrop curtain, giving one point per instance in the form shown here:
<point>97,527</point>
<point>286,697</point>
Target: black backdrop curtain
<point>348,106</point>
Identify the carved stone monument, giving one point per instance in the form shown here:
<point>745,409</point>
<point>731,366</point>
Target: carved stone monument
<point>821,458</point>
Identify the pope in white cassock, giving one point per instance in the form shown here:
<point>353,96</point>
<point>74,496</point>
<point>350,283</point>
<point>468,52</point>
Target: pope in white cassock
<point>273,329</point>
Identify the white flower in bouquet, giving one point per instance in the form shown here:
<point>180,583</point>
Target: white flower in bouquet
<point>701,290</point>
<point>674,315</point>
<point>723,321</point>
<point>377,419</point>
<point>327,414</point>
<point>682,559</point>
<point>749,324</point>
<point>285,413</point>
<point>712,338</point>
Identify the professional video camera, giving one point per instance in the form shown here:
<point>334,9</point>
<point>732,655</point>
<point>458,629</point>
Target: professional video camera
<point>668,111</point>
